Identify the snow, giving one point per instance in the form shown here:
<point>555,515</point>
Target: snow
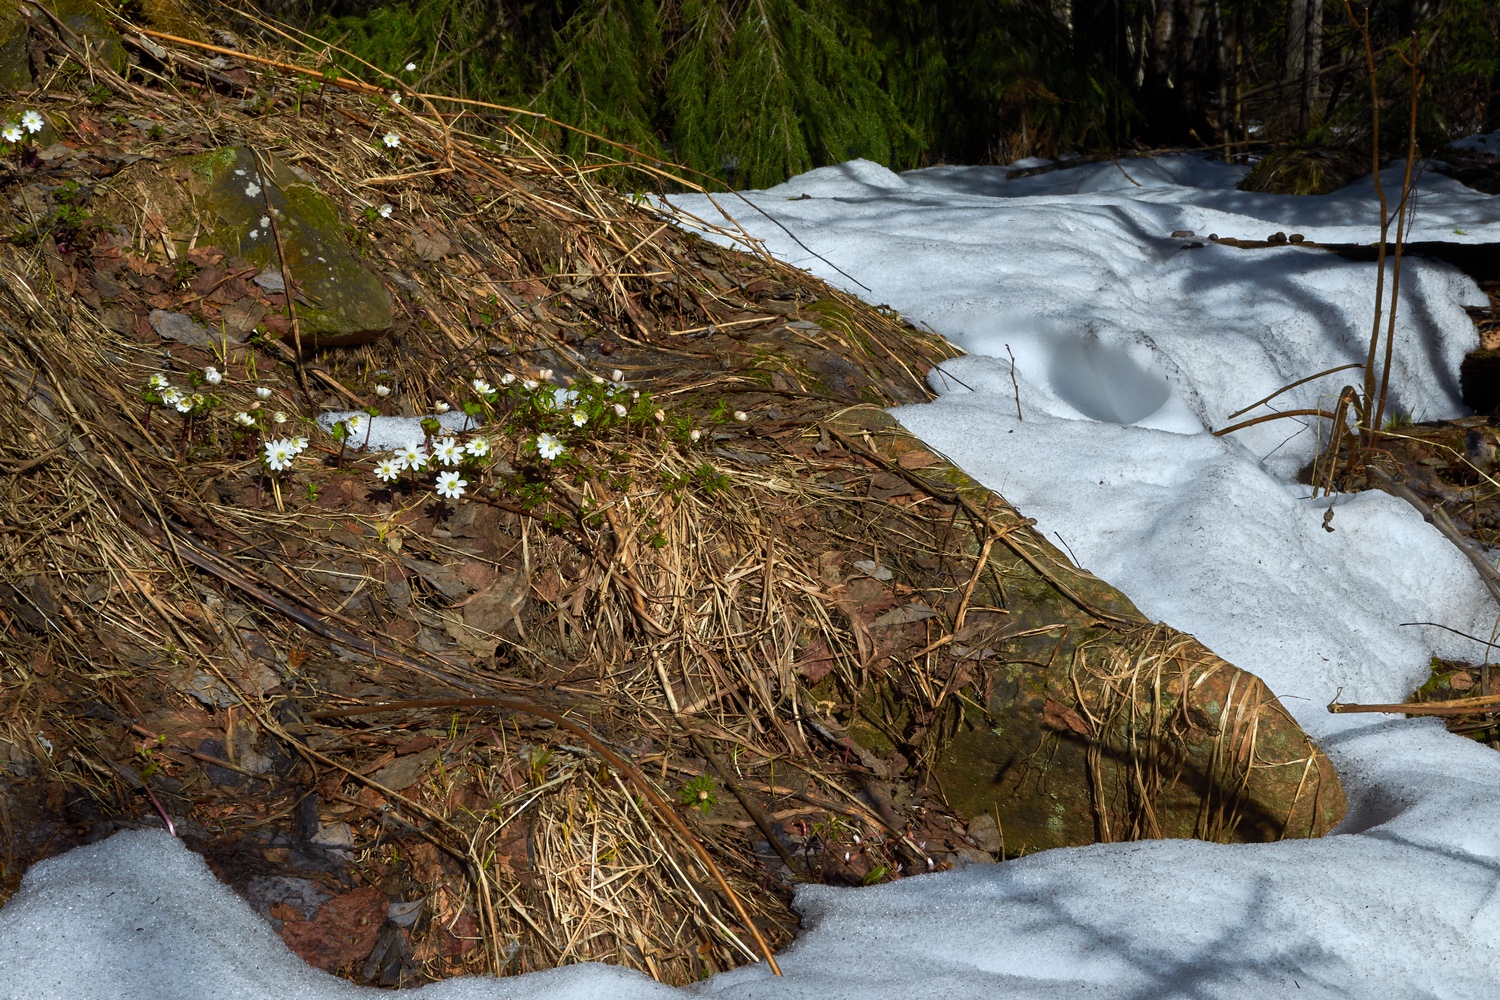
<point>1487,142</point>
<point>390,433</point>
<point>1128,348</point>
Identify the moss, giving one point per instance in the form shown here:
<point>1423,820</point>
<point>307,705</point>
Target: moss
<point>342,302</point>
<point>15,57</point>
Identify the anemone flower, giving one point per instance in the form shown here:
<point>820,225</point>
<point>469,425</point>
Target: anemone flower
<point>548,446</point>
<point>412,456</point>
<point>448,451</point>
<point>279,454</point>
<point>450,486</point>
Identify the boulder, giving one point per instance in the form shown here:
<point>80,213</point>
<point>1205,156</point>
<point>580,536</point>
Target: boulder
<point>15,54</point>
<point>93,32</point>
<point>1076,719</point>
<point>222,196</point>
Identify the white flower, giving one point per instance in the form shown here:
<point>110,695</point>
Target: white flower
<point>300,443</point>
<point>450,486</point>
<point>196,399</point>
<point>211,375</point>
<point>382,390</point>
<point>157,382</point>
<point>32,122</point>
<point>580,418</point>
<point>387,469</point>
<point>244,419</point>
<point>660,416</point>
<point>412,456</point>
<point>695,434</point>
<point>354,423</point>
<point>279,454</point>
<point>620,410</point>
<point>741,416</point>
<point>478,447</point>
<point>529,384</point>
<point>440,407</point>
<point>562,397</point>
<point>482,387</point>
<point>507,378</point>
<point>545,374</point>
<point>411,67</point>
<point>278,417</point>
<point>263,392</point>
<point>385,210</point>
<point>391,140</point>
<point>448,451</point>
<point>395,97</point>
<point>617,375</point>
<point>597,380</point>
<point>11,133</point>
<point>184,404</point>
<point>171,397</point>
<point>635,394</point>
<point>548,446</point>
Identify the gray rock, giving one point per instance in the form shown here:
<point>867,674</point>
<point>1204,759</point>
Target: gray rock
<point>985,833</point>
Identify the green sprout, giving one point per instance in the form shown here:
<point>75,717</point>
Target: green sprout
<point>699,794</point>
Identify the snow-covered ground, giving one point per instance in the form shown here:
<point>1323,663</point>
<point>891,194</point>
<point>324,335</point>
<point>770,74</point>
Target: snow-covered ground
<point>1128,348</point>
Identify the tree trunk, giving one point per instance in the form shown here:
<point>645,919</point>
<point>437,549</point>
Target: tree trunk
<point>1304,55</point>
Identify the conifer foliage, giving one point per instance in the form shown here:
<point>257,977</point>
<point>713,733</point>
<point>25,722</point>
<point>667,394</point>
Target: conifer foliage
<point>750,92</point>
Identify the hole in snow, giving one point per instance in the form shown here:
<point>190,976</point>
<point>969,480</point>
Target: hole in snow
<point>1104,382</point>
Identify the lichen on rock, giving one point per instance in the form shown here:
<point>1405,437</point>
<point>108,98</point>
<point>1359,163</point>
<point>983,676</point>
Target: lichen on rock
<point>227,197</point>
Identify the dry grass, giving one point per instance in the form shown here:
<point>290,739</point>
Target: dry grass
<point>572,650</point>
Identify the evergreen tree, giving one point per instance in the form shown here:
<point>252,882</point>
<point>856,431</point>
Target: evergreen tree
<point>607,65</point>
<point>752,91</point>
<point>759,90</point>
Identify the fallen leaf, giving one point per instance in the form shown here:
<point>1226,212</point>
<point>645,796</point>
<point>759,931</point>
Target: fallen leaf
<point>1063,718</point>
<point>179,327</point>
<point>406,771</point>
<point>906,613</point>
<point>432,247</point>
<point>916,459</point>
<point>816,661</point>
<point>344,930</point>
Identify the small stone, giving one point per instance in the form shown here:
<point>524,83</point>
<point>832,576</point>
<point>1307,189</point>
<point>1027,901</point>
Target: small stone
<point>335,836</point>
<point>1296,238</point>
<point>985,833</point>
<point>966,856</point>
<point>1276,238</point>
<point>1182,234</point>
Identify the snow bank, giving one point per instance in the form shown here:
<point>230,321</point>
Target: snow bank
<point>1128,348</point>
<point>390,433</point>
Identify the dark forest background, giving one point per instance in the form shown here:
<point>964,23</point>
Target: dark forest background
<point>752,91</point>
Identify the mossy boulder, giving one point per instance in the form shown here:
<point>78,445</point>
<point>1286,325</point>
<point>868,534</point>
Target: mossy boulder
<point>93,32</point>
<point>226,197</point>
<point>15,54</point>
<point>1076,718</point>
